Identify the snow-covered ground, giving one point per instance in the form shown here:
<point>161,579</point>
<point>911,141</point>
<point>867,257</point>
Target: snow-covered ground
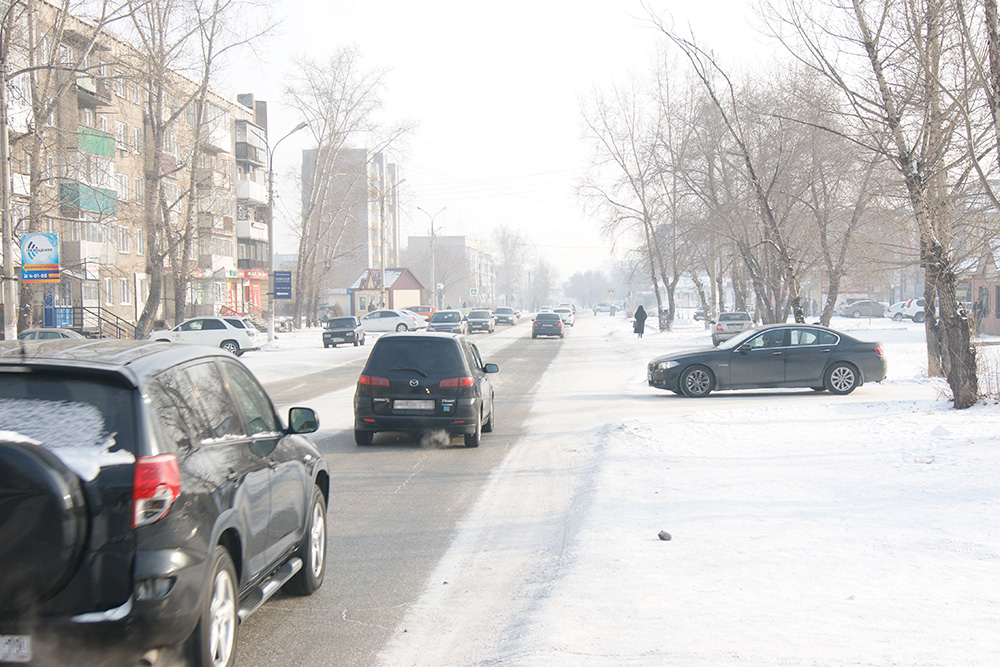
<point>805,529</point>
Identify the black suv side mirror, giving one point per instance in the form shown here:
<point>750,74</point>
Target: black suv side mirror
<point>302,420</point>
<point>491,368</point>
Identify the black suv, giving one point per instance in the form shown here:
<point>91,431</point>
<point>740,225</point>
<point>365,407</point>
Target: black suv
<point>343,330</point>
<point>150,498</point>
<point>421,382</point>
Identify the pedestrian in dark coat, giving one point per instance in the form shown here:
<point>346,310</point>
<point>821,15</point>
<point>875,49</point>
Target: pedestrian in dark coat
<point>640,320</point>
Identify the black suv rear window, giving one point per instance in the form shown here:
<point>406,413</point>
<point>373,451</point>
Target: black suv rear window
<point>83,421</point>
<point>433,357</point>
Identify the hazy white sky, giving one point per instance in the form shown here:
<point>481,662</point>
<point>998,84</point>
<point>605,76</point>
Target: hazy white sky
<point>495,90</point>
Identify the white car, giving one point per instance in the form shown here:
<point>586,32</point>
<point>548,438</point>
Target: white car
<point>379,321</point>
<point>566,313</point>
<point>233,334</point>
<point>912,309</point>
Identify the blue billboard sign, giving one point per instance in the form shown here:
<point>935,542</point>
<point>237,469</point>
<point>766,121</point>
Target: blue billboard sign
<point>282,284</point>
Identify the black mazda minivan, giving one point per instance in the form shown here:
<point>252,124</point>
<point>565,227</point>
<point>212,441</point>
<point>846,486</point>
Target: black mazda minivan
<point>419,382</point>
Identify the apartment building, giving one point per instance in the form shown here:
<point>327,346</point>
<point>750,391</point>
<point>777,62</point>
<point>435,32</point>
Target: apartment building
<point>350,201</point>
<point>83,171</point>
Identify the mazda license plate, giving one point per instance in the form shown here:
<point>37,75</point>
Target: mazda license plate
<point>412,405</point>
<point>15,648</point>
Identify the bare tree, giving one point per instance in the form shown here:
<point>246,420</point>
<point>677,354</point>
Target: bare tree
<point>624,184</point>
<point>512,251</point>
<point>898,111</point>
<point>339,99</point>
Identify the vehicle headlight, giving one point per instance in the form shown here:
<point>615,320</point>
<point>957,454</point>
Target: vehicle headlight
<point>664,365</point>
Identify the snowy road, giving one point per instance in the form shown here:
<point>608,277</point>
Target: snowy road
<point>807,528</point>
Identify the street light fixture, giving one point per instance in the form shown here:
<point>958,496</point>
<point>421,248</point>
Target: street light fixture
<point>434,292</point>
<point>270,230</point>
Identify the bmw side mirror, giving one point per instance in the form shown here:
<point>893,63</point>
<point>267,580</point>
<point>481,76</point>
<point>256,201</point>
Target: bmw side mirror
<point>491,368</point>
<point>302,420</point>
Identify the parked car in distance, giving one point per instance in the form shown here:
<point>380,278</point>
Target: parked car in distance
<point>233,334</point>
<point>911,308</point>
<point>566,313</point>
<point>423,311</point>
<point>343,330</point>
<point>729,325</point>
<point>424,382</point>
<point>505,315</point>
<point>152,499</point>
<point>699,314</point>
<point>778,355</point>
<point>283,323</point>
<point>49,333</point>
<point>547,324</point>
<point>602,308</point>
<point>385,320</point>
<point>480,320</point>
<point>447,321</point>
<point>862,308</point>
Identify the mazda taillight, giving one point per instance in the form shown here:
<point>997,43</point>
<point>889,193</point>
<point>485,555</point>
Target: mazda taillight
<point>464,381</point>
<point>373,381</point>
<point>155,486</point>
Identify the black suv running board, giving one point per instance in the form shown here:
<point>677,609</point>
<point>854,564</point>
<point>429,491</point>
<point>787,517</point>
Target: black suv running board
<point>269,587</point>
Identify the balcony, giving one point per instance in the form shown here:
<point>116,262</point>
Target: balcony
<point>251,190</point>
<point>251,229</point>
<point>249,153</point>
<point>76,197</point>
<point>207,177</point>
<point>95,142</point>
<point>92,93</point>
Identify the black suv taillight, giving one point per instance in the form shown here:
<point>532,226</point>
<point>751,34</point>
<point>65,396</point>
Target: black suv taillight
<point>155,486</point>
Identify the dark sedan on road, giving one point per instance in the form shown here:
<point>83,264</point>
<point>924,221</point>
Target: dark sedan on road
<point>343,330</point>
<point>779,355</point>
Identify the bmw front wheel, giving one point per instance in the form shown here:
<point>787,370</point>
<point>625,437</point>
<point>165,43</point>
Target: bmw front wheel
<point>697,382</point>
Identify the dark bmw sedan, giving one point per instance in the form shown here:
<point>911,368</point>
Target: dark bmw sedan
<point>780,355</point>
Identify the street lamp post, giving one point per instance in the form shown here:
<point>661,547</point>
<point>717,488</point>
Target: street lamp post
<point>381,241</point>
<point>270,230</point>
<point>434,299</point>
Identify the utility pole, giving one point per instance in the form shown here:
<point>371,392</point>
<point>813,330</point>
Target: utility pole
<point>382,194</point>
<point>270,230</point>
<point>434,291</point>
<point>8,278</point>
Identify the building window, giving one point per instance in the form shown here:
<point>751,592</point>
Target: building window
<point>104,123</point>
<point>91,292</point>
<point>121,134</point>
<point>140,241</point>
<point>138,190</point>
<point>136,139</point>
<point>122,187</point>
<point>124,240</point>
<point>126,291</point>
<point>109,292</point>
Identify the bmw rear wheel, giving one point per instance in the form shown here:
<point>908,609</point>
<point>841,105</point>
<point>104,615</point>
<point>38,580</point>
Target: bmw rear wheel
<point>697,382</point>
<point>841,378</point>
